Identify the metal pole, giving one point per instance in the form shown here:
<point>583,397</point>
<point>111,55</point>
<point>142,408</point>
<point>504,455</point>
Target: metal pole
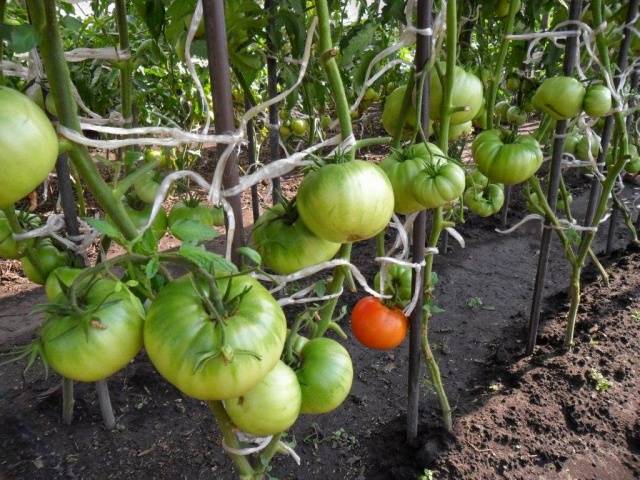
<point>272,90</point>
<point>607,131</point>
<point>423,54</point>
<point>552,193</point>
<point>251,153</point>
<point>219,72</point>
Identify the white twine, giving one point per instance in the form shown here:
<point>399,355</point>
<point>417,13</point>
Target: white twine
<point>456,236</point>
<point>259,442</point>
<point>191,34</point>
<point>564,224</point>
<point>103,53</point>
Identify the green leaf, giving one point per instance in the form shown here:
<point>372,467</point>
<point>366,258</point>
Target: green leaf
<point>251,254</point>
<point>357,44</point>
<point>193,231</point>
<point>132,283</point>
<point>105,227</point>
<point>152,267</point>
<point>212,262</point>
<point>153,14</point>
<point>320,288</point>
<point>21,38</point>
<point>393,10</point>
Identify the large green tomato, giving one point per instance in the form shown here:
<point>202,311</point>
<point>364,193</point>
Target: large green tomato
<point>270,407</point>
<point>438,183</point>
<point>182,212</point>
<point>467,94</point>
<point>484,201</point>
<point>204,358</point>
<point>325,375</point>
<point>597,101</point>
<point>460,130</point>
<point>559,97</point>
<point>401,167</point>
<point>397,282</point>
<point>391,114</point>
<point>95,344</point>
<point>346,202</point>
<point>28,146</point>
<point>49,258</point>
<point>61,277</point>
<point>508,163</point>
<point>286,244</point>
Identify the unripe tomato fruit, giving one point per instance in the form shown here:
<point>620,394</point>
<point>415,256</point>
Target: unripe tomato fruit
<point>597,101</point>
<point>377,326</point>
<point>61,276</point>
<point>49,258</point>
<point>391,114</point>
<point>466,93</point>
<point>559,97</point>
<point>300,127</point>
<point>28,146</point>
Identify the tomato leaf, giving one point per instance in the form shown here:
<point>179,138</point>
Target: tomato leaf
<point>251,254</point>
<point>152,267</point>
<point>104,227</point>
<point>193,231</point>
<point>21,38</point>
<point>212,262</point>
<point>356,44</point>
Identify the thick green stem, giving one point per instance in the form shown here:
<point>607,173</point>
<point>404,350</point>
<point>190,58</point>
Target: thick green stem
<point>266,455</point>
<point>407,99</point>
<point>575,304</point>
<point>45,21</point>
<point>245,469</point>
<point>446,107</point>
<point>326,312</point>
<point>380,243</point>
<point>370,142</point>
<point>328,59</point>
<point>496,78</point>
<point>126,66</point>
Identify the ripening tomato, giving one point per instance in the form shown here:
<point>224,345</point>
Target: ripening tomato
<point>28,146</point>
<point>397,282</point>
<point>377,326</point>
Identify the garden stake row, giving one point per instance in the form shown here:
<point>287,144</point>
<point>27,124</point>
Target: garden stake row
<point>253,161</point>
<point>555,174</point>
<point>272,91</point>
<point>422,58</point>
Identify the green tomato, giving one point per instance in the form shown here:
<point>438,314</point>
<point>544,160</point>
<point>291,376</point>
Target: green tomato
<point>286,244</point>
<point>59,279</point>
<point>591,140</point>
<point>597,101</point>
<point>633,165</point>
<point>439,182</point>
<point>486,201</point>
<point>141,217</point>
<point>156,155</point>
<point>28,146</point>
<point>146,187</point>
<point>466,93</point>
<point>325,375</point>
<point>270,407</point>
<point>460,130</point>
<point>346,202</point>
<point>480,120</point>
<point>397,282</point>
<point>502,7</point>
<point>533,203</point>
<point>285,132</point>
<point>189,349</point>
<point>300,127</point>
<point>93,345</point>
<point>198,213</point>
<point>559,97</point>
<point>509,163</point>
<point>500,110</point>
<point>475,179</point>
<point>391,114</point>
<point>10,248</point>
<point>402,167</point>
<point>571,142</point>
<point>325,121</point>
<point>49,258</point>
<point>516,116</point>
<point>512,84</point>
<point>371,95</point>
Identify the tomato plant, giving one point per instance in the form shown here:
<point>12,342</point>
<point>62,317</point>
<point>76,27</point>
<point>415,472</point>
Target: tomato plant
<point>49,258</point>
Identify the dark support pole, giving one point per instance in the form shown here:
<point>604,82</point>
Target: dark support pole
<point>251,153</point>
<point>423,54</point>
<point>552,193</point>
<point>219,72</point>
<point>272,89</point>
<point>504,217</point>
<point>607,131</point>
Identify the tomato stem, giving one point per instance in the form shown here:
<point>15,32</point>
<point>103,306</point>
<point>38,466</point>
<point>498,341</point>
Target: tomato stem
<point>227,427</point>
<point>67,400</point>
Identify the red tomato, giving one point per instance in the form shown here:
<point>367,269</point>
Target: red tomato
<point>377,326</point>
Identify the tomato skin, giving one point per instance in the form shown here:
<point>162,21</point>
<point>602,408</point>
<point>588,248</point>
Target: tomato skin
<point>287,245</point>
<point>300,127</point>
<point>633,165</point>
<point>582,147</point>
<point>28,146</point>
<point>377,326</point>
<point>402,167</point>
<point>500,111</point>
<point>475,178</point>
<point>559,97</point>
<point>516,116</point>
<point>571,142</point>
<point>146,188</point>
<point>325,376</point>
<point>10,248</point>
<point>178,327</point>
<point>61,275</point>
<point>346,202</point>
<point>325,121</point>
<point>89,353</point>
<point>484,201</point>
<point>438,183</point>
<point>397,280</point>
<point>461,130</point>
<point>597,101</point>
<point>271,407</point>
<point>507,163</point>
<point>467,92</point>
<point>391,114</point>
<point>49,257</point>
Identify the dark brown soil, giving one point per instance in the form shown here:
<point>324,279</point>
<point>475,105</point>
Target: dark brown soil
<point>515,418</point>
